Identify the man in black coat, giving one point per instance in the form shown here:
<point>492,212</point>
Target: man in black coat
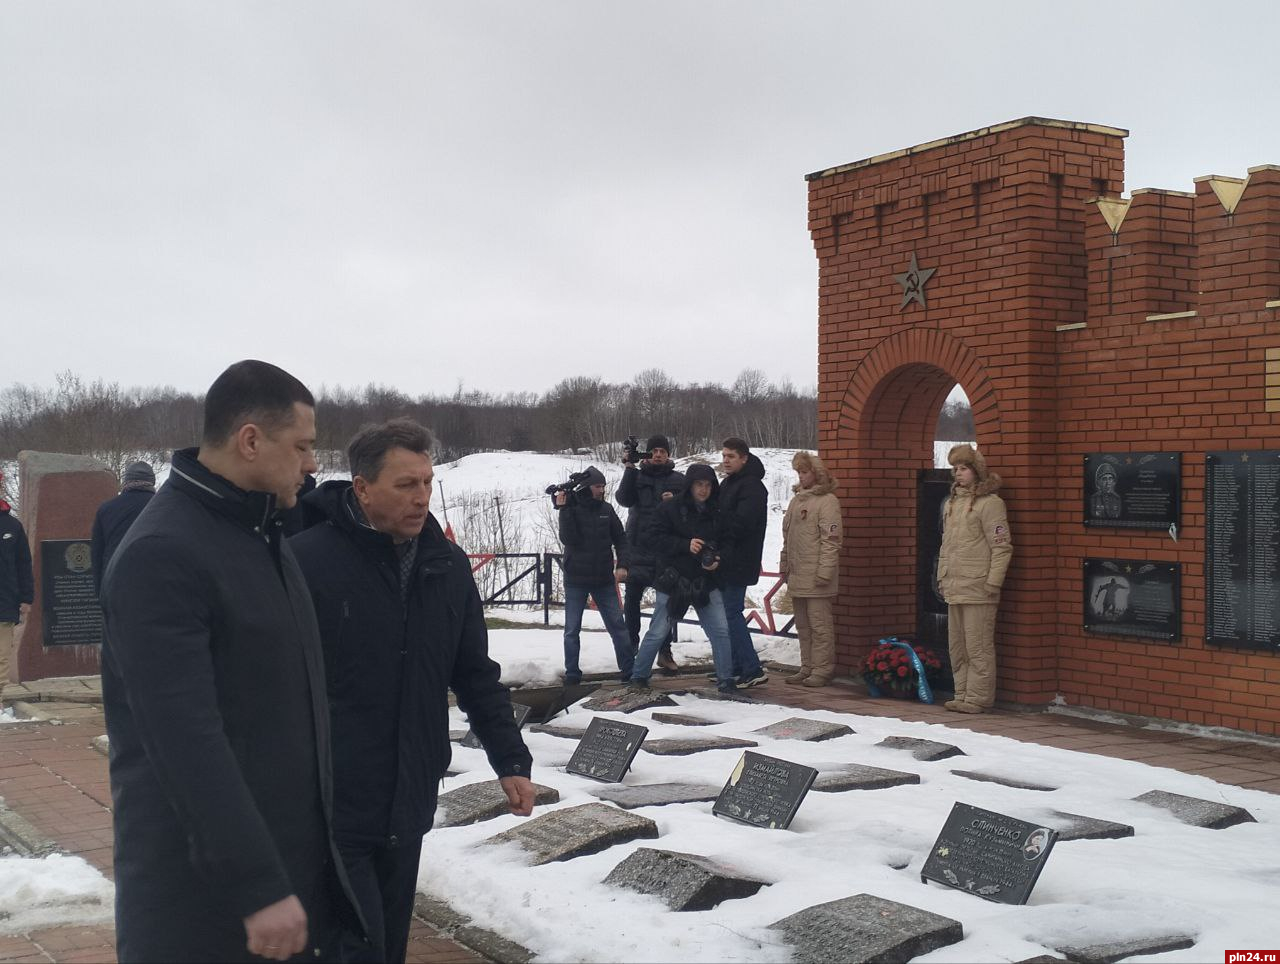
<point>213,686</point>
<point>402,623</point>
<point>643,488</point>
<point>114,516</point>
<point>595,549</point>
<point>744,506</point>
<point>17,583</point>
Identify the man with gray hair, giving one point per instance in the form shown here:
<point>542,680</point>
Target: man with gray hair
<point>401,623</point>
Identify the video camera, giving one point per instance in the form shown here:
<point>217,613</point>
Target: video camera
<point>631,453</point>
<point>575,480</point>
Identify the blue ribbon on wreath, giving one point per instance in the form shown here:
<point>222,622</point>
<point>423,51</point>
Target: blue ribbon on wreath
<point>923,692</point>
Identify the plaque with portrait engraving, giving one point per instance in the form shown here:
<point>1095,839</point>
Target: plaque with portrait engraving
<point>1133,597</point>
<point>606,750</point>
<point>989,855</point>
<point>72,615</point>
<point>764,791</point>
<point>1242,549</point>
<point>1132,490</point>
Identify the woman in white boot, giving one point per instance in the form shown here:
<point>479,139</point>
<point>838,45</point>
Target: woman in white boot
<point>811,534</point>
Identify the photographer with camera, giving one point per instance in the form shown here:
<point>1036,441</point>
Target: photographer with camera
<point>591,533</point>
<point>648,479</point>
<point>690,549</point>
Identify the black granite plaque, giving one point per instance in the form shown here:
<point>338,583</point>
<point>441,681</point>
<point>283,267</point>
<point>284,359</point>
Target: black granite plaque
<point>72,615</point>
<point>606,750</point>
<point>1132,490</point>
<point>1242,549</point>
<point>521,712</point>
<point>990,855</point>
<point>764,791</point>
<point>1132,597</point>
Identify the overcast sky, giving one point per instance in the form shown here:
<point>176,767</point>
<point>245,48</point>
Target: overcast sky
<point>504,194</point>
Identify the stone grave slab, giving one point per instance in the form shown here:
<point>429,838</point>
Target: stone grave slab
<point>858,777</point>
<point>1199,813</point>
<point>576,832</point>
<point>866,928</point>
<point>559,729</point>
<point>681,719</point>
<point>545,702</point>
<point>1113,951</point>
<point>657,794</point>
<point>518,710</point>
<point>483,801</point>
<point>606,750</point>
<point>682,881</point>
<point>798,728</point>
<point>988,854</point>
<point>927,750</point>
<point>626,701</point>
<point>683,747</point>
<point>1074,826</point>
<point>764,791</point>
<point>1004,781</point>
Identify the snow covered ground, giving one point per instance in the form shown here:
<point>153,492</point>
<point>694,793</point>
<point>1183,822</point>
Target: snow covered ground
<point>48,891</point>
<point>1222,886</point>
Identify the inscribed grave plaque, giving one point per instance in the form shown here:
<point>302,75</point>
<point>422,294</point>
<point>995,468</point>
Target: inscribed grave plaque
<point>1132,490</point>
<point>519,710</point>
<point>865,928</point>
<point>606,750</point>
<point>576,832</point>
<point>1132,597</point>
<point>72,615</point>
<point>685,882</point>
<point>764,791</point>
<point>1242,549</point>
<point>990,855</point>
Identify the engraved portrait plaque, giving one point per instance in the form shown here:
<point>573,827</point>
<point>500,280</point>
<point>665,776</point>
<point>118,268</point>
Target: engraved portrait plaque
<point>1132,490</point>
<point>606,750</point>
<point>72,614</point>
<point>764,791</point>
<point>1132,597</point>
<point>1242,549</point>
<point>989,855</point>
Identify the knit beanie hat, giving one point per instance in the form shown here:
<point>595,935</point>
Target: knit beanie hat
<point>658,442</point>
<point>138,475</point>
<point>593,477</point>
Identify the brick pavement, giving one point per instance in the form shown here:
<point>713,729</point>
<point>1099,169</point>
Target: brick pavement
<point>53,777</point>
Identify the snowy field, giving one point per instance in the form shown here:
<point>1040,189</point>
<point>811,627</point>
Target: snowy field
<point>1221,886</point>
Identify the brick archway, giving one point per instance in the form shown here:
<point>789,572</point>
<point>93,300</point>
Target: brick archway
<point>888,417</point>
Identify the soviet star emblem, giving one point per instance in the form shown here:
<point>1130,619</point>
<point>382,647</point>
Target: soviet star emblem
<point>913,281</point>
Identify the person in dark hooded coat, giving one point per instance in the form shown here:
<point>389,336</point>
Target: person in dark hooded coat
<point>691,546</point>
<point>595,549</point>
<point>113,518</point>
<point>744,508</point>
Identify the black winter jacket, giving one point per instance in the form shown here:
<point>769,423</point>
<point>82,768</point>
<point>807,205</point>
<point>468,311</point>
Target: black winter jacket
<point>591,532</point>
<point>390,665</point>
<point>17,584</point>
<point>640,492</point>
<point>678,521</point>
<point>110,523</point>
<point>213,686</point>
<point>744,507</point>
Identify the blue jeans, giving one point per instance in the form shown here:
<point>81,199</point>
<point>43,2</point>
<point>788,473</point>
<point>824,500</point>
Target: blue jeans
<point>575,601</point>
<point>711,616</point>
<point>745,660</point>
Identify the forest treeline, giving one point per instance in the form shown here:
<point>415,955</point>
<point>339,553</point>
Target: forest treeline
<point>116,424</point>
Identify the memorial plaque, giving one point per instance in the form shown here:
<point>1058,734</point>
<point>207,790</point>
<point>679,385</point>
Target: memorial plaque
<point>799,728</point>
<point>547,701</point>
<point>1242,549</point>
<point>1210,814</point>
<point>858,777</point>
<point>866,928</point>
<point>521,713</point>
<point>927,750</point>
<point>657,794</point>
<point>990,855</point>
<point>576,832</point>
<point>1133,490</point>
<point>72,614</point>
<point>484,801</point>
<point>1133,597</point>
<point>764,791</point>
<point>683,746</point>
<point>606,750</point>
<point>685,882</point>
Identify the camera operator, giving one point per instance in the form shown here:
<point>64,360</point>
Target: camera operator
<point>644,487</point>
<point>591,532</point>
<point>690,549</point>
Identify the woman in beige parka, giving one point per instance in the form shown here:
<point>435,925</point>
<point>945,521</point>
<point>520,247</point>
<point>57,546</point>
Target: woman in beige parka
<point>976,549</point>
<point>812,531</point>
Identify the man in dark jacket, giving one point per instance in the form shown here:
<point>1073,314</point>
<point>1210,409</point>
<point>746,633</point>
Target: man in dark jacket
<point>591,534</point>
<point>17,584</point>
<point>691,546</point>
<point>643,488</point>
<point>213,686</point>
<point>114,516</point>
<point>744,506</point>
<point>402,623</point>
